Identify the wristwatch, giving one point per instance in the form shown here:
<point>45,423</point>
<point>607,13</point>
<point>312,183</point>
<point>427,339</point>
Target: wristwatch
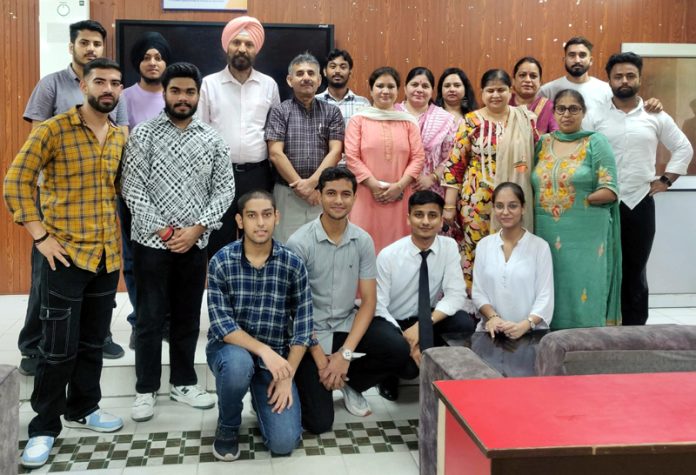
<point>664,179</point>
<point>532,325</point>
<point>346,354</point>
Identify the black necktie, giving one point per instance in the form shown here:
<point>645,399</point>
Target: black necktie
<point>425,322</point>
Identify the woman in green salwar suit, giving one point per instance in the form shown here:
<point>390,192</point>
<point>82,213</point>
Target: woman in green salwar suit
<point>576,211</point>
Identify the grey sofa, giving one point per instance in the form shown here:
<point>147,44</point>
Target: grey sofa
<point>9,419</point>
<point>652,348</point>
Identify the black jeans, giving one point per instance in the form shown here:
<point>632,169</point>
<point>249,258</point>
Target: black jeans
<point>247,177</point>
<point>169,284</point>
<point>460,322</point>
<point>637,234</point>
<point>386,351</point>
<point>30,334</point>
<point>124,216</point>
<point>76,308</point>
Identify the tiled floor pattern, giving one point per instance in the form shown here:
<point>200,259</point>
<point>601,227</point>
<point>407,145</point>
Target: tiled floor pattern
<point>194,447</point>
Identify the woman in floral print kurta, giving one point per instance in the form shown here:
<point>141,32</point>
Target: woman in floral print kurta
<point>576,212</point>
<point>470,172</point>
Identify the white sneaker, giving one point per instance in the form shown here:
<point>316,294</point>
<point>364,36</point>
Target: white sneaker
<point>193,395</point>
<point>143,407</point>
<point>355,402</point>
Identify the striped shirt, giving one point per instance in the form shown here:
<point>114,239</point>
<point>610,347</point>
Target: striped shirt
<point>305,134</point>
<point>272,304</point>
<point>78,196</point>
<point>176,177</point>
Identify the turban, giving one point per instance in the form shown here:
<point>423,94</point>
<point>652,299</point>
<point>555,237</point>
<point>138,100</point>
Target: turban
<point>244,23</point>
<point>149,40</point>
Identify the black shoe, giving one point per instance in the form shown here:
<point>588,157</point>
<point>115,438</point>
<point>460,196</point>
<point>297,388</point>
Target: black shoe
<point>226,450</point>
<point>389,388</point>
<point>28,365</point>
<point>131,340</point>
<point>112,350</point>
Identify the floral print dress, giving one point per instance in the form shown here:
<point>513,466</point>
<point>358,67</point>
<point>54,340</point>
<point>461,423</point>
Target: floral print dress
<point>584,239</point>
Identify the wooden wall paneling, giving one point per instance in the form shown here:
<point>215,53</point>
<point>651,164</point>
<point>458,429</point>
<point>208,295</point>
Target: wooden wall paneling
<point>473,34</point>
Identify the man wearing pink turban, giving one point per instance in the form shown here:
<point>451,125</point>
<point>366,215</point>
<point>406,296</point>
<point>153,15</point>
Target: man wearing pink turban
<point>236,101</point>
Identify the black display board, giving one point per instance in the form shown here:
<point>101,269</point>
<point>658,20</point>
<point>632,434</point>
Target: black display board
<point>199,43</point>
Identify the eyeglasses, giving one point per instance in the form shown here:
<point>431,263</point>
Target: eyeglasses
<point>574,110</point>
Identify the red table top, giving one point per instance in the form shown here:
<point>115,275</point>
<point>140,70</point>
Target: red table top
<point>605,412</point>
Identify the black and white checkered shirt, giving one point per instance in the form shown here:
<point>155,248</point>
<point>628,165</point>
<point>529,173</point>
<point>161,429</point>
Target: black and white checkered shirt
<point>305,134</point>
<point>175,177</point>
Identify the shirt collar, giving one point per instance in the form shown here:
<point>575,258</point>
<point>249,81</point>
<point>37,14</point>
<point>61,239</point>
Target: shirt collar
<point>414,250</point>
<point>72,73</point>
<point>320,234</point>
<point>349,97</point>
<point>76,119</point>
<point>227,76</point>
<point>639,107</point>
<point>301,105</point>
<point>275,250</point>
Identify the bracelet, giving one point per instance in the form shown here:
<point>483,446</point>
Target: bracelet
<point>41,239</point>
<point>434,175</point>
<point>495,315</point>
<point>168,235</point>
<point>449,207</point>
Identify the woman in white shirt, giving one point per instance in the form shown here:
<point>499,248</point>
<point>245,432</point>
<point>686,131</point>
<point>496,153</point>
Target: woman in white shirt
<point>513,274</point>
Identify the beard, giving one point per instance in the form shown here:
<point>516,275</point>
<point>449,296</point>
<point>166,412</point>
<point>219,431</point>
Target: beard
<point>240,62</point>
<point>577,70</point>
<point>337,83</point>
<point>98,106</point>
<point>171,111</point>
<point>152,81</point>
<point>625,92</point>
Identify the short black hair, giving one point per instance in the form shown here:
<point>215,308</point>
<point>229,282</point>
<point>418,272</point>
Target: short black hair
<point>90,25</point>
<point>572,93</point>
<point>381,72</point>
<point>334,174</point>
<point>468,101</point>
<point>254,195</point>
<point>182,70</point>
<point>335,53</point>
<point>628,57</point>
<point>526,59</point>
<point>100,63</point>
<point>514,187</point>
<point>424,197</point>
<point>578,40</point>
<point>495,75</point>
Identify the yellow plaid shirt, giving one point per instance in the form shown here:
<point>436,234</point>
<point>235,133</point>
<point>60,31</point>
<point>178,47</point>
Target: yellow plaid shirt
<point>78,196</point>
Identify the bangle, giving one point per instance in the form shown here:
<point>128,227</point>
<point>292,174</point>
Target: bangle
<point>434,175</point>
<point>449,207</point>
<point>168,234</point>
<point>495,315</point>
<point>41,239</point>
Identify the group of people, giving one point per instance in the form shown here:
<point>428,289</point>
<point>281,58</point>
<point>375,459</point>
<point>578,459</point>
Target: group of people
<point>340,236</point>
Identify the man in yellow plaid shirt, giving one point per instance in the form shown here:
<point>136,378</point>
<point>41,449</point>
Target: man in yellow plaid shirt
<point>79,153</point>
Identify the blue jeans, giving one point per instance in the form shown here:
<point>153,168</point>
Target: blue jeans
<point>236,371</point>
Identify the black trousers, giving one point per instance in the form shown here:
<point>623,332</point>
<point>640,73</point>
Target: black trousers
<point>30,334</point>
<point>637,234</point>
<point>76,308</point>
<point>385,350</point>
<point>247,177</point>
<point>169,284</point>
<point>460,322</point>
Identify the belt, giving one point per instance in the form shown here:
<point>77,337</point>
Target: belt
<point>245,167</point>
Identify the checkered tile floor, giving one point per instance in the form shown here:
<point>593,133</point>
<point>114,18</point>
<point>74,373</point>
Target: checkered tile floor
<point>195,447</point>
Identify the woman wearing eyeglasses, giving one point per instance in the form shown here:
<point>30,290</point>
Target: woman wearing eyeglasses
<point>576,211</point>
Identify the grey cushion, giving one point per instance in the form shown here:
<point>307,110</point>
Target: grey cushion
<point>634,349</point>
<point>9,419</point>
<point>438,364</point>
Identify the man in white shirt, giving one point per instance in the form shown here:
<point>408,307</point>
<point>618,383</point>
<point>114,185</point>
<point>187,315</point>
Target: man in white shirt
<point>578,59</point>
<point>634,135</point>
<point>398,274</point>
<point>338,70</point>
<point>236,101</point>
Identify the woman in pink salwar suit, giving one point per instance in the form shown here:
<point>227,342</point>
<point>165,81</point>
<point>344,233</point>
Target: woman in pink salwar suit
<point>384,150</point>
